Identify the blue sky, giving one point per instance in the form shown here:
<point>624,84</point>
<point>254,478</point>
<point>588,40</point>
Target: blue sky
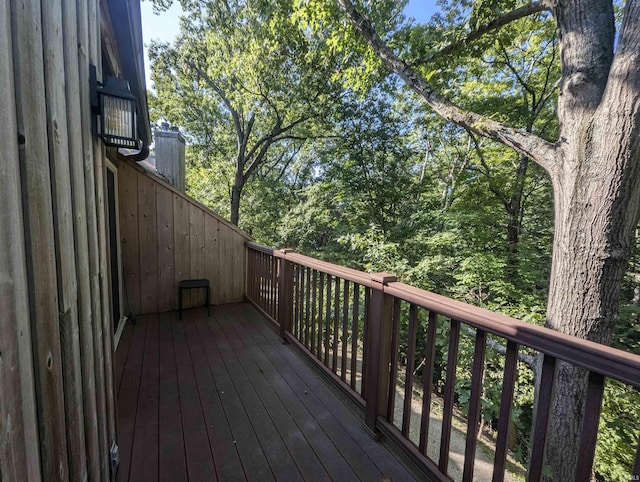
<point>164,27</point>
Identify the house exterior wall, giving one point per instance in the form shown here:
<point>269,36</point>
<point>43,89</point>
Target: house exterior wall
<point>57,407</point>
<point>165,237</point>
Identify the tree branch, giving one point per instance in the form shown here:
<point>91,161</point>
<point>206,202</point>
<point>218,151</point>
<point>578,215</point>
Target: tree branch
<point>490,180</point>
<point>526,143</point>
<point>227,102</point>
<point>507,18</point>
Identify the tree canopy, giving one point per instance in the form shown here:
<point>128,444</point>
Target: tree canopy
<point>246,84</point>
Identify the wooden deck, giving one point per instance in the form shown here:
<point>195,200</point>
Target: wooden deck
<point>221,398</point>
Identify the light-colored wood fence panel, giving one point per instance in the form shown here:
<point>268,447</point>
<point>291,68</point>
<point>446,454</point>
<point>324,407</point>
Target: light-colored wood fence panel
<point>129,241</point>
<point>148,236</point>
<point>226,263</point>
<point>196,247</point>
<point>165,253</point>
<point>212,257</point>
<point>182,244</point>
<point>18,423</point>
<point>187,239</point>
<point>239,264</point>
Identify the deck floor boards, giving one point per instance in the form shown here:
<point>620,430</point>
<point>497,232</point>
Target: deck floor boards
<point>221,398</point>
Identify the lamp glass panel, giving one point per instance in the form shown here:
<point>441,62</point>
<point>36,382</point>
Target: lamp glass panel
<point>118,117</point>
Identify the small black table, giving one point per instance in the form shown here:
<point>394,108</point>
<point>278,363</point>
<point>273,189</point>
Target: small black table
<point>189,284</point>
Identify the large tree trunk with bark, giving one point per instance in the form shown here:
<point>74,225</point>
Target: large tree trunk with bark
<point>596,195</point>
<point>592,241</point>
<point>594,167</point>
<point>236,195</point>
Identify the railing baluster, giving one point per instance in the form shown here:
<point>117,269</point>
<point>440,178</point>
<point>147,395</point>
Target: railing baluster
<point>473,421</point>
<point>452,357</point>
<point>307,309</point>
<point>256,278</point>
<point>263,281</point>
<point>274,287</point>
<point>320,320</point>
<point>267,262</point>
<point>636,464</point>
<point>327,322</point>
<point>250,273</point>
<point>427,381</point>
<point>411,363</point>
<point>314,290</point>
<point>593,405</point>
<point>268,265</point>
<point>345,319</point>
<point>365,334</point>
<point>265,285</point>
<point>354,334</point>
<point>541,418</point>
<point>299,307</point>
<point>336,320</point>
<point>508,385</point>
<point>395,341</point>
<point>294,297</point>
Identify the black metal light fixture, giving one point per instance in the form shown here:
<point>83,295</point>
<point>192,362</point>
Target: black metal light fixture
<point>117,107</point>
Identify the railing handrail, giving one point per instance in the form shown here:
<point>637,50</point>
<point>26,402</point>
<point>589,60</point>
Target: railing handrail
<point>598,358</point>
<point>606,360</point>
<point>350,274</point>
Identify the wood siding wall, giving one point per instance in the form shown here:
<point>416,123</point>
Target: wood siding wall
<point>57,410</point>
<point>166,237</point>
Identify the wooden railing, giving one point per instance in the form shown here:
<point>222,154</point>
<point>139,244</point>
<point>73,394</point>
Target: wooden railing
<point>349,323</point>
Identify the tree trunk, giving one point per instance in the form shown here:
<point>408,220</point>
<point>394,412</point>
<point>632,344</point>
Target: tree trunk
<point>596,195</point>
<point>514,215</point>
<point>236,195</point>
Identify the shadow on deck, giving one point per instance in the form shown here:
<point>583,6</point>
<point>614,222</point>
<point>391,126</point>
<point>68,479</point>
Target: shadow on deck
<point>222,398</point>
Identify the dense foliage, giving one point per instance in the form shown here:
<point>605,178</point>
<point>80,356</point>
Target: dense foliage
<point>371,178</point>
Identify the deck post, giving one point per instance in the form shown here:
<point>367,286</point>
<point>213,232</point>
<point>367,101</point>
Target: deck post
<point>378,350</point>
<point>285,293</point>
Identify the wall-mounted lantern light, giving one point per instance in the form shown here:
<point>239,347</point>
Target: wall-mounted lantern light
<point>116,106</point>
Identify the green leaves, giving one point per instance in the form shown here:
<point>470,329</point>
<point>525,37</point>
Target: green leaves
<point>247,85</point>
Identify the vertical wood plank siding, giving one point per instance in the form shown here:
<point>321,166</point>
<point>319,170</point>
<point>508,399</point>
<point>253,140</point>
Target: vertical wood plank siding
<point>87,46</point>
<point>18,422</point>
<point>167,237</point>
<point>57,406</point>
<point>56,115</point>
<point>40,243</point>
<point>79,212</point>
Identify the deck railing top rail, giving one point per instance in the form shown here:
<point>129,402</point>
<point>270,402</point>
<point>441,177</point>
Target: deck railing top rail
<point>602,359</point>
